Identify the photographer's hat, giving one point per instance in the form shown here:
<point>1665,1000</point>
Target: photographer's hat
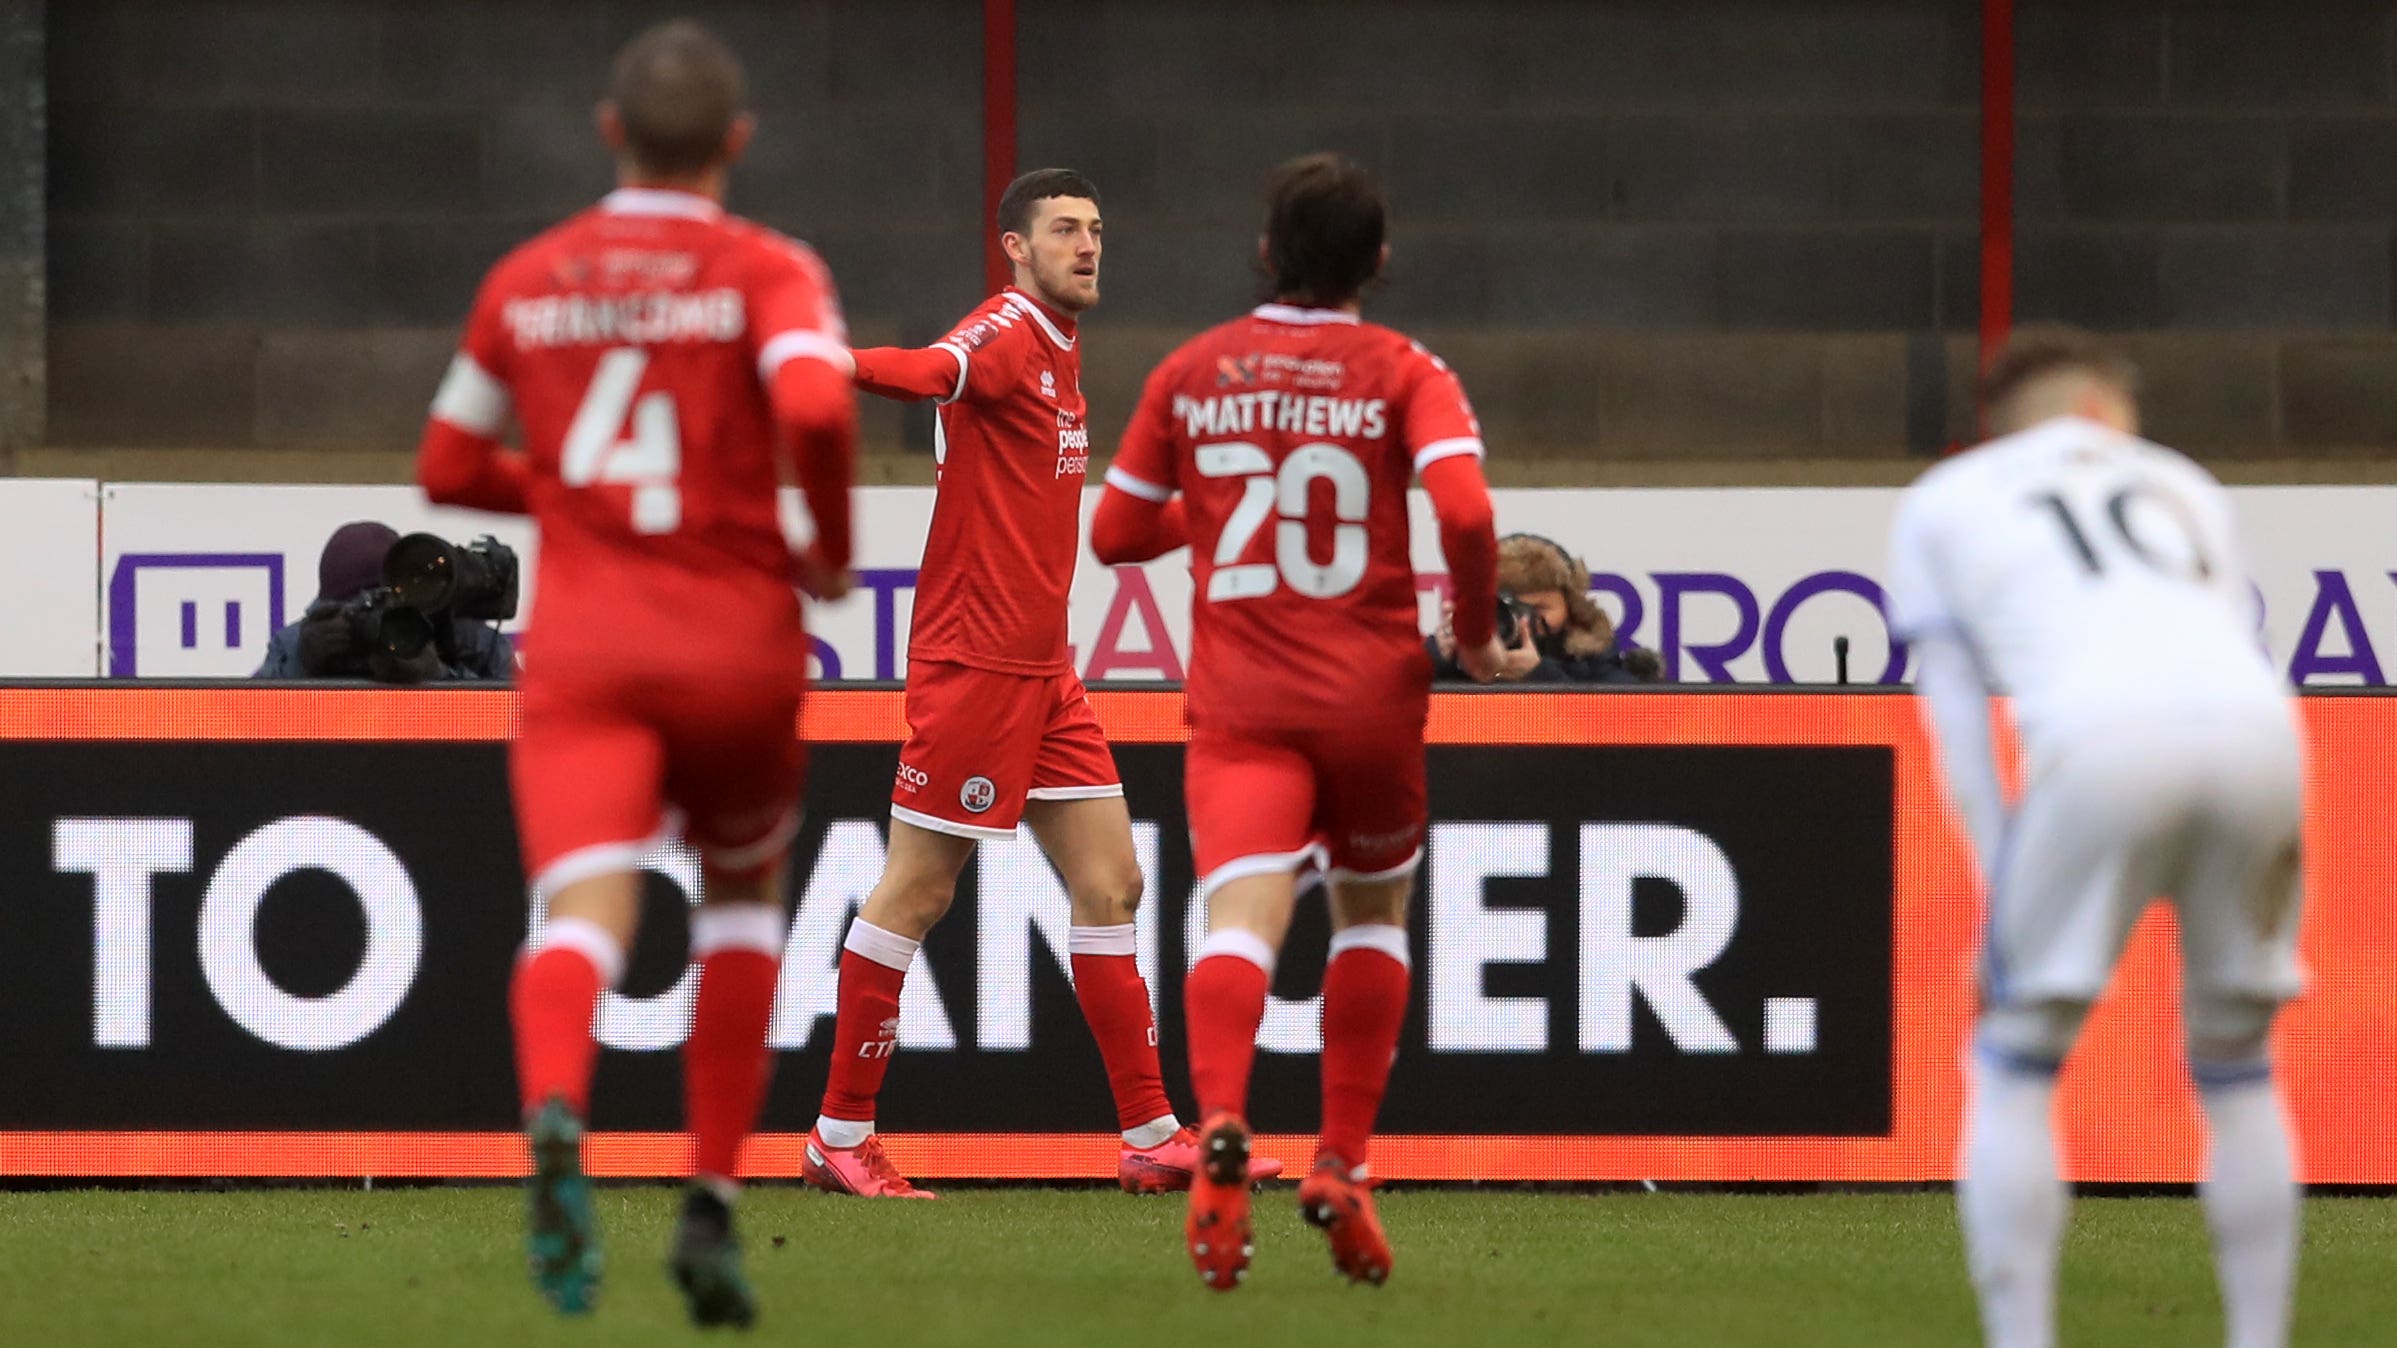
<point>353,559</point>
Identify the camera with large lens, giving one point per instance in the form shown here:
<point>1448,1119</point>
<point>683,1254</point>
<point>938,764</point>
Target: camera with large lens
<point>474,581</point>
<point>427,583</point>
<point>380,622</point>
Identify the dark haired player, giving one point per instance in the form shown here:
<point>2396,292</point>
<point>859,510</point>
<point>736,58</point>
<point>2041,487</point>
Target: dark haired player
<point>667,363</point>
<point>1280,446</point>
<point>999,730</point>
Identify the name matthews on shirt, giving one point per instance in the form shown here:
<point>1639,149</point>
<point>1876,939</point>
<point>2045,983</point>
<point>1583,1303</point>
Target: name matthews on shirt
<point>1272,410</point>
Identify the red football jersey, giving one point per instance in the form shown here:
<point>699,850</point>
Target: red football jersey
<point>634,344</point>
<point>1292,435</point>
<point>1007,519</point>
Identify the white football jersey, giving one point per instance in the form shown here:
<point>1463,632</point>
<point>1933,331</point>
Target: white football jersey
<point>2095,577</point>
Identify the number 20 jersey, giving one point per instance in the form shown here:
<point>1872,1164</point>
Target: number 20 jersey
<point>636,340</point>
<point>2095,577</point>
<point>1292,435</point>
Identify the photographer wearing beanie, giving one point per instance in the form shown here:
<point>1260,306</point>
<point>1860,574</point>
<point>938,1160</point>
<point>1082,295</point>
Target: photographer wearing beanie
<point>325,644</point>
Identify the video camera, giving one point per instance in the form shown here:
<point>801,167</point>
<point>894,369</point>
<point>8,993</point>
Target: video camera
<point>426,577</point>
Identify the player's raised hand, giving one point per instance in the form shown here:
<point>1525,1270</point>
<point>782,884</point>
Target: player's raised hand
<point>823,583</point>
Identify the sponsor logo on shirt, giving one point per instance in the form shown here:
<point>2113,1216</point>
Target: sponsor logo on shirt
<point>978,794</point>
<point>646,267</point>
<point>1048,384</point>
<point>913,778</point>
<point>1241,371</point>
<point>1314,374</point>
<point>1073,445</point>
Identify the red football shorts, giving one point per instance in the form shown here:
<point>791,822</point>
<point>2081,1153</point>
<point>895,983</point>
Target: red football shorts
<point>980,744</point>
<point>601,760</point>
<point>1261,801</point>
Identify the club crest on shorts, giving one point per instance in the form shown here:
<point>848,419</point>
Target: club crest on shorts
<point>978,794</point>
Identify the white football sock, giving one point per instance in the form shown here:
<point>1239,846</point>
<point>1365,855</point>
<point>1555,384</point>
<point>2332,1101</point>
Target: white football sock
<point>2252,1203</point>
<point>2011,1201</point>
<point>843,1133</point>
<point>1152,1133</point>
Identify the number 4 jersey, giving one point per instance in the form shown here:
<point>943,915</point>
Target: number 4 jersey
<point>636,345</point>
<point>2094,576</point>
<point>1292,435</point>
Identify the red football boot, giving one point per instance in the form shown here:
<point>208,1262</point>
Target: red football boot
<point>1217,1228</point>
<point>1167,1167</point>
<point>864,1171</point>
<point>1343,1206</point>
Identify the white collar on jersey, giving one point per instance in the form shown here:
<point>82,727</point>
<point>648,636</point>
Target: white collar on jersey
<point>1024,304</point>
<point>656,201</point>
<point>1291,313</point>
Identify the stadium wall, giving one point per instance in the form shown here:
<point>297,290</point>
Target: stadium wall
<point>1673,936</point>
<point>1642,230</point>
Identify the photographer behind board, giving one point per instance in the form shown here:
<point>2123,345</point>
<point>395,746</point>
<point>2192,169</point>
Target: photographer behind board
<point>1553,631</point>
<point>401,610</point>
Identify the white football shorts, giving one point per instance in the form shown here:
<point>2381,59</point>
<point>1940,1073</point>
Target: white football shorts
<point>2205,816</point>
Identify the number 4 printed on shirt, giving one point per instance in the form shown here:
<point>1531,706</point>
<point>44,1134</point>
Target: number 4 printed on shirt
<point>648,460</point>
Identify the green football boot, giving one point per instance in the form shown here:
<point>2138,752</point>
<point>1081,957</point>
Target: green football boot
<point>706,1262</point>
<point>561,1241</point>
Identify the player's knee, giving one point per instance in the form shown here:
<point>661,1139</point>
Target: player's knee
<point>1112,899</point>
<point>909,904</point>
<point>2229,1033</point>
<point>2035,1034</point>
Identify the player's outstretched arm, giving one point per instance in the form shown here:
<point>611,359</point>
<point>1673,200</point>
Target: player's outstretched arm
<point>1130,528</point>
<point>1956,705</point>
<point>911,374</point>
<point>817,416</point>
<point>460,461</point>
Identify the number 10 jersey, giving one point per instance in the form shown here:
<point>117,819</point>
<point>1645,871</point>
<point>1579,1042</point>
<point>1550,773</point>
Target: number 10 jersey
<point>2095,577</point>
<point>1292,435</point>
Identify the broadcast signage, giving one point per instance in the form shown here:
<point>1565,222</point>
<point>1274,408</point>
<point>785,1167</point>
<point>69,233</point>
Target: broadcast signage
<point>1665,936</point>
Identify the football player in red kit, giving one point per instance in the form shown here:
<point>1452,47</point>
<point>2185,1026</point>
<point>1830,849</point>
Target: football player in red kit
<point>666,363</point>
<point>999,730</point>
<point>1279,446</point>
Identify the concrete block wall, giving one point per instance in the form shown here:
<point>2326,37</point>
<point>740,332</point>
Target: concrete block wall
<point>1641,229</point>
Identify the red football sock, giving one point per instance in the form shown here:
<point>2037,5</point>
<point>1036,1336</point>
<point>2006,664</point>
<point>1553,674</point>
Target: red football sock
<point>551,1000</point>
<point>725,1061</point>
<point>1224,1002</point>
<point>873,969</point>
<point>1116,1004</point>
<point>1364,1000</point>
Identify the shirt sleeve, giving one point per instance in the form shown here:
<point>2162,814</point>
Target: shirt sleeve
<point>1144,459</point>
<point>1912,600</point>
<point>1439,418</point>
<point>991,355</point>
<point>795,312</point>
<point>461,460</point>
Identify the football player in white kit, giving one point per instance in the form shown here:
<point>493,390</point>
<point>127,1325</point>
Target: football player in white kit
<point>2094,578</point>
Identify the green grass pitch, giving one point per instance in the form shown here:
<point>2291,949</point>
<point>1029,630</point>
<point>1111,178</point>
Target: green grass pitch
<point>997,1266</point>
